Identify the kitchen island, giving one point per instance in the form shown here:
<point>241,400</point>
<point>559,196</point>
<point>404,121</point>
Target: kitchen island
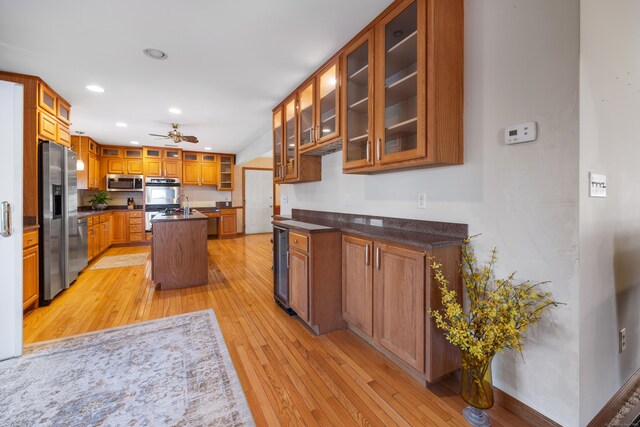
<point>179,250</point>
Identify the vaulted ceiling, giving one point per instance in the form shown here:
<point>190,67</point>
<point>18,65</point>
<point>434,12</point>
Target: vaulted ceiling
<point>229,62</point>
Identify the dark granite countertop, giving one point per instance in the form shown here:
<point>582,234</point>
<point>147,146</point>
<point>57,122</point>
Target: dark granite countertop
<point>162,217</point>
<point>207,210</point>
<point>88,210</point>
<point>416,233</point>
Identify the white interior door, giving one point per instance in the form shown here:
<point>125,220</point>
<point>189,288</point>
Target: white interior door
<point>258,200</point>
<point>11,104</point>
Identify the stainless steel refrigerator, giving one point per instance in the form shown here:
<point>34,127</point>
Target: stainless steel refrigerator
<point>61,257</point>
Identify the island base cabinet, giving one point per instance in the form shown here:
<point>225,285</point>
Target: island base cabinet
<point>315,287</point>
<point>399,303</point>
<point>386,292</point>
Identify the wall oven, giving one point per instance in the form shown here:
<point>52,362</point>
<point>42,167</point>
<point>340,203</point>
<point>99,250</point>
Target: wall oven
<point>124,182</point>
<point>160,194</point>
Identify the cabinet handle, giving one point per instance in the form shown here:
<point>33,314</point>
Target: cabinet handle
<point>311,134</point>
<point>378,258</point>
<point>366,254</point>
<point>368,159</point>
<point>379,148</point>
<point>295,241</point>
<point>318,136</point>
<point>288,262</point>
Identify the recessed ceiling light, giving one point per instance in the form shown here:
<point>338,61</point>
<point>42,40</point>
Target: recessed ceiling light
<point>207,148</point>
<point>134,142</point>
<point>175,110</point>
<point>95,88</point>
<point>121,125</point>
<point>154,53</point>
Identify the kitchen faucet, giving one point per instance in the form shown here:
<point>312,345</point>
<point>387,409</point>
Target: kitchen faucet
<point>186,207</point>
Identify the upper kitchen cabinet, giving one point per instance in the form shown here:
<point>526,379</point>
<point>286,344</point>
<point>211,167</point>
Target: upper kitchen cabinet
<point>290,161</point>
<point>357,105</point>
<point>327,115</point>
<point>417,93</point>
<point>289,165</point>
<point>199,168</point>
<point>162,162</point>
<point>278,136</point>
<point>306,117</point>
<point>391,99</point>
<point>225,183</point>
<point>43,120</point>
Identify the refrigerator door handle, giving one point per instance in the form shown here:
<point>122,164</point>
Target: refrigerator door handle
<point>5,219</point>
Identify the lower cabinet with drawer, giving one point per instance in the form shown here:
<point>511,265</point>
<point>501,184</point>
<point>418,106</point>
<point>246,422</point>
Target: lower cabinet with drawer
<point>227,223</point>
<point>314,264</point>
<point>30,266</point>
<point>385,294</point>
<point>136,227</point>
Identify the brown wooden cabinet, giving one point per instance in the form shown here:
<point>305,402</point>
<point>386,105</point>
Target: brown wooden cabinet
<point>43,110</point>
<point>391,99</point>
<point>159,162</point>
<point>119,227</point>
<point>289,165</point>
<point>199,169</point>
<point>399,303</point>
<point>227,227</point>
<point>114,166</point>
<point>93,172</point>
<point>299,283</point>
<point>315,289</point>
<point>30,269</point>
<point>386,290</point>
<point>225,181</point>
<point>357,283</point>
<point>278,136</point>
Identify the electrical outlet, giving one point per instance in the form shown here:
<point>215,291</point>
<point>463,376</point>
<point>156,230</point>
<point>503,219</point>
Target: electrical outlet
<point>622,340</point>
<point>285,199</point>
<point>347,199</point>
<point>422,200</point>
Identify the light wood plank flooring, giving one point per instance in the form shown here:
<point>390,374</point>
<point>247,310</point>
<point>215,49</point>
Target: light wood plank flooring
<point>290,376</point>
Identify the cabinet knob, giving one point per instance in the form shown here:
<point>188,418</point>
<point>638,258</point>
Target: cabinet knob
<point>29,239</point>
<point>295,241</point>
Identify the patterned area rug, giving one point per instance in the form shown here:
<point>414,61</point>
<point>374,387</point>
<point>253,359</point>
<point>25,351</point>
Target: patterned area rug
<point>166,372</point>
<point>118,261</point>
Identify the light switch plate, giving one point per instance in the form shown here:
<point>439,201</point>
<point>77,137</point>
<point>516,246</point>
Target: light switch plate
<point>524,132</point>
<point>597,185</point>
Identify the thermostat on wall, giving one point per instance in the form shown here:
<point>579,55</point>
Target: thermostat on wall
<point>524,132</point>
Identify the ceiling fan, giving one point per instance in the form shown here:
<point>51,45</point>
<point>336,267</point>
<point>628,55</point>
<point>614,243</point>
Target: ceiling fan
<point>176,136</point>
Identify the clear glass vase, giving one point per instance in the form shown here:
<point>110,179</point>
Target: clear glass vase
<point>476,389</point>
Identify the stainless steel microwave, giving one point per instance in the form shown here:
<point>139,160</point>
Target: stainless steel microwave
<point>125,182</point>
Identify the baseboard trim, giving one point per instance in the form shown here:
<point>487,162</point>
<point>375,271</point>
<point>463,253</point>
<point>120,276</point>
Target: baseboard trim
<point>615,403</point>
<point>524,411</point>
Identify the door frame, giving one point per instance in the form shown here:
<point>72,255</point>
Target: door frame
<point>244,200</point>
<point>16,134</point>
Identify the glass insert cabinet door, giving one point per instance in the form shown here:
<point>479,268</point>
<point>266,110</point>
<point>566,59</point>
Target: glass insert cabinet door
<point>327,119</point>
<point>277,144</point>
<point>290,166</point>
<point>400,90</point>
<point>306,117</point>
<point>358,103</point>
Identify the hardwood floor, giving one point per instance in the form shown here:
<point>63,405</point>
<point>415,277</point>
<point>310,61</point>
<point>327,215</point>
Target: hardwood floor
<point>290,376</point>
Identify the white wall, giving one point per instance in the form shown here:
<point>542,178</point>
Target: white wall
<point>521,64</point>
<point>204,196</point>
<point>609,228</point>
